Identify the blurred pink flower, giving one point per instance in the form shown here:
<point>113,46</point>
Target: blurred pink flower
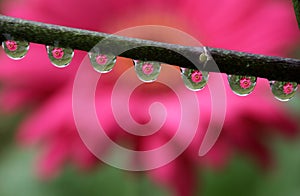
<point>232,24</point>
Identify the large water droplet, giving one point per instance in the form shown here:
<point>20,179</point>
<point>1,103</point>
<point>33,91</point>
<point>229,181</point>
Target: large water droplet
<point>194,79</point>
<point>60,57</point>
<point>102,63</point>
<point>283,91</point>
<point>15,49</point>
<point>242,85</point>
<point>147,71</point>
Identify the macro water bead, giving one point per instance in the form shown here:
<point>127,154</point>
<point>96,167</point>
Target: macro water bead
<point>102,63</point>
<point>60,57</point>
<point>194,79</point>
<point>242,85</point>
<point>283,91</point>
<point>15,49</point>
<point>147,71</point>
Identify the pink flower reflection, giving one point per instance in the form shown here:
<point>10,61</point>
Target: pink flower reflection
<point>245,26</point>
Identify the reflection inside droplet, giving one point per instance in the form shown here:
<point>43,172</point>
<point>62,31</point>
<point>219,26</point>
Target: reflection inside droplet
<point>194,79</point>
<point>242,85</point>
<point>102,63</point>
<point>283,91</point>
<point>15,49</point>
<point>60,57</point>
<point>147,71</point>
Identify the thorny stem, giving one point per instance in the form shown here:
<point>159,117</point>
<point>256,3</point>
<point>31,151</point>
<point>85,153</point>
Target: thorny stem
<point>229,62</point>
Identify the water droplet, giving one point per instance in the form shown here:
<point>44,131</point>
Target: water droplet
<point>242,85</point>
<point>15,49</point>
<point>203,58</point>
<point>60,57</point>
<point>283,91</point>
<point>102,63</point>
<point>194,79</point>
<point>147,71</point>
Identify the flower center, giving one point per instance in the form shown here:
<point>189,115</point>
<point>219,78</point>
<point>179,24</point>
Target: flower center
<point>147,68</point>
<point>101,59</point>
<point>57,53</point>
<point>196,76</point>
<point>245,82</point>
<point>288,88</point>
<point>11,45</point>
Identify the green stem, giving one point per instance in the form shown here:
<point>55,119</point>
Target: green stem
<point>229,62</point>
<point>297,10</point>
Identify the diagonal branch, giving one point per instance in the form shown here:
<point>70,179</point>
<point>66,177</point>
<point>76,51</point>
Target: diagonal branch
<point>229,62</point>
<point>297,11</point>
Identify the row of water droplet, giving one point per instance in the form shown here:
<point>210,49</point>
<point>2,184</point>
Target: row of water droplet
<point>148,71</point>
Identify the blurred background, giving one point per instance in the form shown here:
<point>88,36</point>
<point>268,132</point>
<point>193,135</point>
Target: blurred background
<point>41,152</point>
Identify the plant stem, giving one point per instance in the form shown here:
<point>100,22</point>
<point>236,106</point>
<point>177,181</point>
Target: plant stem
<point>297,10</point>
<point>229,62</point>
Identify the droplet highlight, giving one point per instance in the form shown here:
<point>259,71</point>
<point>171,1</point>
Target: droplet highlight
<point>283,91</point>
<point>15,49</point>
<point>242,85</point>
<point>194,79</point>
<point>147,71</point>
<point>102,63</point>
<point>60,57</point>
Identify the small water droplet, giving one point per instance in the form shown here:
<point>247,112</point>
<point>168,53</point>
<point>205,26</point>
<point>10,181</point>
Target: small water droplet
<point>242,85</point>
<point>15,49</point>
<point>102,63</point>
<point>147,71</point>
<point>60,57</point>
<point>283,91</point>
<point>194,79</point>
<point>203,58</point>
